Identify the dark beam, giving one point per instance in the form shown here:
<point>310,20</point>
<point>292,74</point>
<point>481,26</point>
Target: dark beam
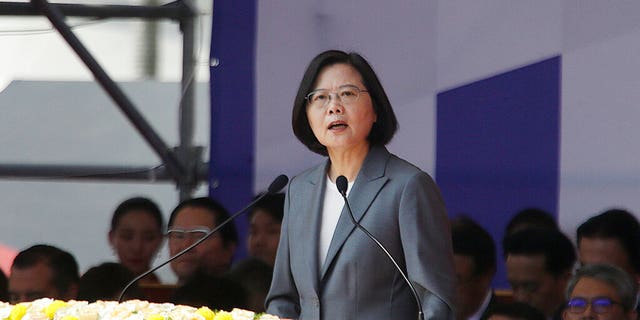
<point>176,10</point>
<point>93,172</point>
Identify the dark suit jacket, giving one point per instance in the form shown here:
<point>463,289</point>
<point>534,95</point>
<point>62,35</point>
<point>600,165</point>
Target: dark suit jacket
<point>402,207</point>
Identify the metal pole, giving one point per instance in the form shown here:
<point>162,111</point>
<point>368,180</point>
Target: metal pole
<point>187,113</point>
<point>174,10</point>
<point>93,172</point>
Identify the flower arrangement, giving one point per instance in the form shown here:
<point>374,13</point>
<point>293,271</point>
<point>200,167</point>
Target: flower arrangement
<point>49,309</point>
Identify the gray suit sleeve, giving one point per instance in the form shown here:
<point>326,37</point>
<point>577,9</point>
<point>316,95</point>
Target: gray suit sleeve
<point>283,299</point>
<point>426,240</point>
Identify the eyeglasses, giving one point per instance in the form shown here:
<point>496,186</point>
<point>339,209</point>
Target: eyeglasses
<point>598,305</point>
<point>190,234</point>
<point>346,94</point>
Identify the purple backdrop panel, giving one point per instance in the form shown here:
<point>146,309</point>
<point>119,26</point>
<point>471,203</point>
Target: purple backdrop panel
<point>497,148</point>
<point>232,108</point>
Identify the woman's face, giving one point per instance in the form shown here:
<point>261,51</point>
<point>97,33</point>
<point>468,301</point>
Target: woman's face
<point>264,236</point>
<point>336,125</point>
<point>136,239</point>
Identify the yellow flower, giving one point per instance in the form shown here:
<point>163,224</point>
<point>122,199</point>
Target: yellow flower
<point>223,315</point>
<point>155,316</point>
<point>206,313</point>
<point>51,309</point>
<point>69,318</point>
<point>18,311</point>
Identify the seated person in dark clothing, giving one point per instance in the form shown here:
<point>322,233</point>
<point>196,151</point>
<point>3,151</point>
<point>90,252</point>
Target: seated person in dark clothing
<point>264,229</point>
<point>539,264</point>
<point>43,271</point>
<point>136,235</point>
<point>189,222</point>
<point>217,293</point>
<point>530,218</point>
<point>612,237</point>
<point>513,311</point>
<point>4,287</point>
<point>474,257</point>
<point>255,277</point>
<point>106,281</point>
<point>601,291</point>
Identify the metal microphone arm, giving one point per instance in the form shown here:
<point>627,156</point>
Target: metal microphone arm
<point>341,183</point>
<point>275,186</point>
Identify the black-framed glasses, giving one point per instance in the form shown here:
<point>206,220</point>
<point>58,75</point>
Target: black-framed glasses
<point>599,305</point>
<point>346,94</point>
<point>195,234</point>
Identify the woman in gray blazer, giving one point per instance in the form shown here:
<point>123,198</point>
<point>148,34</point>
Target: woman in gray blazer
<point>325,267</point>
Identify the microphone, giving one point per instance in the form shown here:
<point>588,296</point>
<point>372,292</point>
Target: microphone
<point>275,186</point>
<point>342,184</point>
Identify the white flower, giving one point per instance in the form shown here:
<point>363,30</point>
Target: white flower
<point>112,310</point>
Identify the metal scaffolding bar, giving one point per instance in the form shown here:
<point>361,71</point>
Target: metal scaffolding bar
<point>92,172</point>
<point>175,10</point>
<point>183,164</point>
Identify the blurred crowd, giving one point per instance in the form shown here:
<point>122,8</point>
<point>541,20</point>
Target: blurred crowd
<point>549,277</point>
<point>207,274</point>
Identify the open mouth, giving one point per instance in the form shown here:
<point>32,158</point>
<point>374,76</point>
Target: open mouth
<point>337,125</point>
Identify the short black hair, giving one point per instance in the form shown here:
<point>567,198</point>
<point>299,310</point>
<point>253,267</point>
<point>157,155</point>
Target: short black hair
<point>556,248</point>
<point>63,265</point>
<point>386,124</point>
<point>137,204</point>
<point>229,232</point>
<point>472,240</point>
<point>515,311</point>
<point>530,218</point>
<point>272,204</point>
<point>105,282</point>
<point>616,224</point>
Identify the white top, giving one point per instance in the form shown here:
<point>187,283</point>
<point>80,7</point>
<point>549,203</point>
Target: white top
<point>331,209</point>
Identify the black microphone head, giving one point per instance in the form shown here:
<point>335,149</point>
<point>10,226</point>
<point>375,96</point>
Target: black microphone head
<point>342,184</point>
<point>278,183</point>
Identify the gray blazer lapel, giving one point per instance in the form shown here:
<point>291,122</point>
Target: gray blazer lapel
<point>308,215</point>
<point>366,187</point>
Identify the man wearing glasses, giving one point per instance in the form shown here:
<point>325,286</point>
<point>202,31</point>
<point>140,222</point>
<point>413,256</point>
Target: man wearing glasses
<point>189,222</point>
<point>602,292</point>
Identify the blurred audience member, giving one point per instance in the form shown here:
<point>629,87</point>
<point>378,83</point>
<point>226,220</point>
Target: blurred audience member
<point>106,281</point>
<point>601,291</point>
<point>7,254</point>
<point>264,230</point>
<point>474,254</point>
<point>43,271</point>
<point>612,237</point>
<point>4,287</point>
<point>528,218</point>
<point>136,235</point>
<point>513,311</point>
<point>217,293</point>
<point>190,221</point>
<point>255,277</point>
<point>539,264</point>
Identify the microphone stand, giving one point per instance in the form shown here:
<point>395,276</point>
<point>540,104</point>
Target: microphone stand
<point>341,183</point>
